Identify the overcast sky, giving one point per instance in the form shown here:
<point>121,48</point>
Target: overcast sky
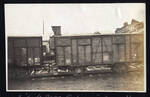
<point>75,19</point>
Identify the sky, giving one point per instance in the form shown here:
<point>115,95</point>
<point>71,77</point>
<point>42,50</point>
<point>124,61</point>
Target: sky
<point>74,19</point>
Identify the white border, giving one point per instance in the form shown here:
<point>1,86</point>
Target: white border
<point>145,63</point>
<point>145,83</point>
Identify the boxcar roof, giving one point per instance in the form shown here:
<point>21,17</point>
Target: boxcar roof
<point>102,35</point>
<point>18,37</point>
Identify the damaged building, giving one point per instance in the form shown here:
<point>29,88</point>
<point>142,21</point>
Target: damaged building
<point>134,27</point>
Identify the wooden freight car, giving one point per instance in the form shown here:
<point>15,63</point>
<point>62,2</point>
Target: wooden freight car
<point>77,53</point>
<point>24,53</point>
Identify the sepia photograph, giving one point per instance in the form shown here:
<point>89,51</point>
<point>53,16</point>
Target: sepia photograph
<point>81,47</point>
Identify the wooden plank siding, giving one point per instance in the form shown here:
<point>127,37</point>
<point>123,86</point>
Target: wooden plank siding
<point>99,49</point>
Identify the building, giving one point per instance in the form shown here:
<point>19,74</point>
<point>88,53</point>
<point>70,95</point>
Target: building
<point>134,27</point>
<point>57,32</point>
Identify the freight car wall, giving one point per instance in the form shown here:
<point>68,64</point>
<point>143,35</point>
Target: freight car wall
<point>98,49</point>
<point>24,51</point>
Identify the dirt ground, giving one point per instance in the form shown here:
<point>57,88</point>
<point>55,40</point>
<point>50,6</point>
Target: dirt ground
<point>132,81</point>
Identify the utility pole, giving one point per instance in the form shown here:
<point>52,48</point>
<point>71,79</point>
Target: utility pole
<point>43,27</point>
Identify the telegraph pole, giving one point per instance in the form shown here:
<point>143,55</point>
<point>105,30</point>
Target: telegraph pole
<point>43,27</point>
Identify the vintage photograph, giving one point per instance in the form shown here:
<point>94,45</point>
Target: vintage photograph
<point>98,47</point>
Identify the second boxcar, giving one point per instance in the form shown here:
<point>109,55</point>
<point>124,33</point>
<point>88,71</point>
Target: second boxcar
<point>80,52</point>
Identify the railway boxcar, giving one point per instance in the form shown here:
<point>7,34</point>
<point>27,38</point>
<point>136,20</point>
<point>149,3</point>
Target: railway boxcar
<point>24,53</point>
<point>79,52</point>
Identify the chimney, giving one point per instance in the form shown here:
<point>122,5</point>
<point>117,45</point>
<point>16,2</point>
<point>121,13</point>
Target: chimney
<point>56,30</point>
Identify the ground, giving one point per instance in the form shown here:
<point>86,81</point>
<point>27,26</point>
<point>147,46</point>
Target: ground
<point>131,81</point>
